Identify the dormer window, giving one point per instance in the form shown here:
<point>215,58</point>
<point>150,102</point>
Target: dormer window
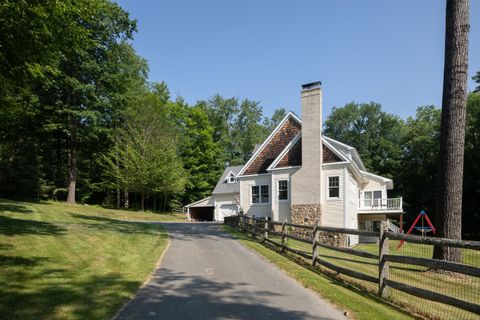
<point>231,178</point>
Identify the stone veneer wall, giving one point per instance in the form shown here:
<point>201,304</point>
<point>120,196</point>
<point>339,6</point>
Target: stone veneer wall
<point>307,214</point>
<point>333,238</point>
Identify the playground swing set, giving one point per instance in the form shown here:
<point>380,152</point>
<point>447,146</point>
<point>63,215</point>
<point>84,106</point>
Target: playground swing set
<point>423,229</point>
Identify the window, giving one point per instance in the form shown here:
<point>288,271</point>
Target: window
<point>377,198</point>
<point>368,198</point>
<point>255,194</point>
<point>282,190</point>
<point>231,178</point>
<point>333,187</point>
<point>260,194</point>
<point>372,198</point>
<point>264,197</point>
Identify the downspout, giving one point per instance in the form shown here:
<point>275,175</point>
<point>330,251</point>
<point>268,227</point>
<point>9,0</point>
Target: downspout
<point>346,185</point>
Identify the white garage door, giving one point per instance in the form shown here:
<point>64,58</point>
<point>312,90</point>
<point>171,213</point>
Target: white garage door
<point>227,210</point>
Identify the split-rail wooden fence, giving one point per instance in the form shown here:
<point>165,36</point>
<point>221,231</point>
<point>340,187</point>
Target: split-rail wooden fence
<point>267,231</point>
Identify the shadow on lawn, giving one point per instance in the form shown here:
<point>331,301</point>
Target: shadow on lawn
<point>13,227</point>
<point>108,224</point>
<point>7,261</point>
<point>14,207</point>
<point>176,295</point>
<point>94,297</point>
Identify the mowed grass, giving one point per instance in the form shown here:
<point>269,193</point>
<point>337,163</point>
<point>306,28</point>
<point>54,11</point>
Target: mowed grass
<point>358,304</point>
<point>463,287</point>
<point>60,261</point>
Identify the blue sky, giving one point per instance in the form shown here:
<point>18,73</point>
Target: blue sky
<point>383,51</point>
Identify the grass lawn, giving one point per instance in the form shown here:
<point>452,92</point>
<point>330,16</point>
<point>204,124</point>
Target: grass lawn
<point>360,305</point>
<point>60,261</point>
<point>462,287</point>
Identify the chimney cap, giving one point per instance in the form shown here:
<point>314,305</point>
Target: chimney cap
<point>311,86</point>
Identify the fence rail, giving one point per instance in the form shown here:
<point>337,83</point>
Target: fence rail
<point>306,240</point>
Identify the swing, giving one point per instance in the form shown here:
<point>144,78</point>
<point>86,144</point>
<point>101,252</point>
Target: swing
<point>423,229</point>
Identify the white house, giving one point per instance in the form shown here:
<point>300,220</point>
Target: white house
<point>299,174</point>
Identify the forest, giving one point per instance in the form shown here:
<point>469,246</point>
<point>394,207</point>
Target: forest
<point>81,122</point>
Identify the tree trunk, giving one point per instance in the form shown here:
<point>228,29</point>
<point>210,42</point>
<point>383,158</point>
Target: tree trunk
<point>452,139</point>
<point>165,203</point>
<point>72,166</point>
<point>154,203</point>
<point>126,203</point>
<point>118,180</point>
<point>142,201</point>
<point>118,198</point>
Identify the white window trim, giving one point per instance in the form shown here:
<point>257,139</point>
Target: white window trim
<point>260,195</point>
<point>278,190</point>
<point>231,175</point>
<point>327,189</point>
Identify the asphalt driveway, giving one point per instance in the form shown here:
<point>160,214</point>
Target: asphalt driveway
<point>206,274</point>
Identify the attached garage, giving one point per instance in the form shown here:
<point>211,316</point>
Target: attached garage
<point>202,210</point>
<point>227,210</point>
<point>222,203</point>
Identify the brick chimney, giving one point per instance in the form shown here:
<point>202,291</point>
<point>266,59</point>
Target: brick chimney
<point>306,182</point>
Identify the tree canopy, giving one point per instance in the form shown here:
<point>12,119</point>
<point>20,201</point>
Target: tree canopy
<point>80,121</point>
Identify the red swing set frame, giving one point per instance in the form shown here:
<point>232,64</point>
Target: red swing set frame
<point>424,229</point>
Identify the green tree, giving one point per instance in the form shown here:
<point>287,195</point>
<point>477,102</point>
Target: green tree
<point>26,53</point>
<point>471,184</point>
<point>375,134</point>
<point>145,158</point>
<point>62,94</point>
<point>273,122</point>
<point>417,177</point>
<point>222,113</point>
<point>247,131</point>
<point>200,153</point>
<point>476,78</point>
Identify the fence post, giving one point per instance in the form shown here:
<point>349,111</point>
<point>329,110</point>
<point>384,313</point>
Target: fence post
<point>316,239</point>
<point>253,226</point>
<point>383,266</point>
<point>244,225</point>
<point>284,221</point>
<point>265,236</point>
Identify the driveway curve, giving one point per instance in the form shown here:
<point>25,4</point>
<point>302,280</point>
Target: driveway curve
<point>207,274</point>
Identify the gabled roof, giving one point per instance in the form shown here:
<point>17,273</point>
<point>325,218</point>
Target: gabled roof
<point>223,186</point>
<point>388,182</point>
<point>269,150</point>
<point>205,202</point>
<point>288,156</point>
<point>349,151</point>
<point>291,156</point>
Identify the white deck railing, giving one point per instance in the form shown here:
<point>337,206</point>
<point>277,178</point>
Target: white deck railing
<point>381,204</point>
<point>393,227</point>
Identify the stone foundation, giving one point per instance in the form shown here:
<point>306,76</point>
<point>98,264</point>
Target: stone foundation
<point>307,214</point>
<point>333,238</point>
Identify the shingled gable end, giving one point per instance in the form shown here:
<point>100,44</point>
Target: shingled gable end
<point>274,147</point>
<point>293,157</point>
